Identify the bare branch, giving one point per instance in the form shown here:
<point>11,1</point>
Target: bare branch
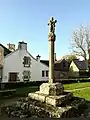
<point>81,41</point>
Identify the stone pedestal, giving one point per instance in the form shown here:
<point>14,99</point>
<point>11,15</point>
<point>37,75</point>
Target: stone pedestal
<point>52,89</point>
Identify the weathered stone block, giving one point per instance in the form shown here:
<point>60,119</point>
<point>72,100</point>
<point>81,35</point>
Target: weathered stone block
<point>58,100</point>
<point>37,96</point>
<point>52,89</point>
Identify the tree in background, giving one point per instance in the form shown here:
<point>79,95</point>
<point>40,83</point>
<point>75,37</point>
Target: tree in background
<point>71,57</point>
<point>80,42</point>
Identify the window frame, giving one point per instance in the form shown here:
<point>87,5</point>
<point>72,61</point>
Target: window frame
<point>47,73</point>
<point>26,61</point>
<point>28,76</point>
<point>43,73</point>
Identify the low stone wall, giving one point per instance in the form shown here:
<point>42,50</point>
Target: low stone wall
<point>7,93</point>
<point>24,108</point>
<point>38,83</point>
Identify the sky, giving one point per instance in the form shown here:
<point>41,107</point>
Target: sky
<point>26,20</point>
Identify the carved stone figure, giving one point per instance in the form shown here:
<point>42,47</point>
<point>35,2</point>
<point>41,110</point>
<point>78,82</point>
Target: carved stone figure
<point>52,25</point>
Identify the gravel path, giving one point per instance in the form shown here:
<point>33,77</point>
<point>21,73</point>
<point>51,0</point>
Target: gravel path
<point>9,101</point>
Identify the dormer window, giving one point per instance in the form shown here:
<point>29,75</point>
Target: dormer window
<point>27,61</point>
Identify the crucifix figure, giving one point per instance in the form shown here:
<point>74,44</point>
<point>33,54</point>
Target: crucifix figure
<point>52,25</point>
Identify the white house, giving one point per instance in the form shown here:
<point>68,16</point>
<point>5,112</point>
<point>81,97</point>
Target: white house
<point>20,66</point>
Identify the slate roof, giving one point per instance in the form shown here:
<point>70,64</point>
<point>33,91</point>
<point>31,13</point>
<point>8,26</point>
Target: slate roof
<point>58,61</point>
<point>82,65</point>
<point>58,66</point>
<point>6,51</point>
<point>46,62</point>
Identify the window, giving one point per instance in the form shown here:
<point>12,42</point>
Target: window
<point>13,76</point>
<point>26,61</point>
<point>46,73</point>
<point>43,74</point>
<point>26,75</point>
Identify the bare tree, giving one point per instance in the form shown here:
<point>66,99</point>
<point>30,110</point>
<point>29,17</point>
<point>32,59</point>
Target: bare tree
<point>80,42</point>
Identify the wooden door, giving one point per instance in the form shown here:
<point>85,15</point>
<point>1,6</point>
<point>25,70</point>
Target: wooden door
<point>12,76</point>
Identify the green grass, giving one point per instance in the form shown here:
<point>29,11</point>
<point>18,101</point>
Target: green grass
<point>83,93</point>
<point>25,90</point>
<point>76,86</point>
<point>21,92</point>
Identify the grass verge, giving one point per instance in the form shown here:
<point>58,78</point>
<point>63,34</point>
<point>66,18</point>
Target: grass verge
<point>83,93</point>
<point>76,86</point>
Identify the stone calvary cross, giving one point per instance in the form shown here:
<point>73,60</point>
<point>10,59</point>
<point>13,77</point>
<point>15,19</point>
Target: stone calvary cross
<point>52,93</point>
<point>51,39</point>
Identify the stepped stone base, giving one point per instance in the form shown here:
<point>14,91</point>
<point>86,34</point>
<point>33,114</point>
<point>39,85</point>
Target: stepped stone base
<point>52,100</point>
<point>51,93</point>
<point>38,109</point>
<point>58,100</point>
<point>37,96</point>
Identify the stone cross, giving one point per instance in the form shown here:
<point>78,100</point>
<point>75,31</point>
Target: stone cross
<point>51,38</point>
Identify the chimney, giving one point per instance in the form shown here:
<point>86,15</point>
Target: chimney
<point>11,47</point>
<point>22,45</point>
<point>55,57</point>
<point>38,58</point>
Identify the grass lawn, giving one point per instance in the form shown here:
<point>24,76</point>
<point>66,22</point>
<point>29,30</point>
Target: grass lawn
<point>21,92</point>
<point>25,90</point>
<point>83,93</point>
<point>76,85</point>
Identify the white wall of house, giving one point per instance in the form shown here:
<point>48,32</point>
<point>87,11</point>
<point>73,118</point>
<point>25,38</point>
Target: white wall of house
<point>13,62</point>
<point>36,71</point>
<point>73,70</point>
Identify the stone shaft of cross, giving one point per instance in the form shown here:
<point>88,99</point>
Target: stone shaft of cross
<point>51,38</point>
